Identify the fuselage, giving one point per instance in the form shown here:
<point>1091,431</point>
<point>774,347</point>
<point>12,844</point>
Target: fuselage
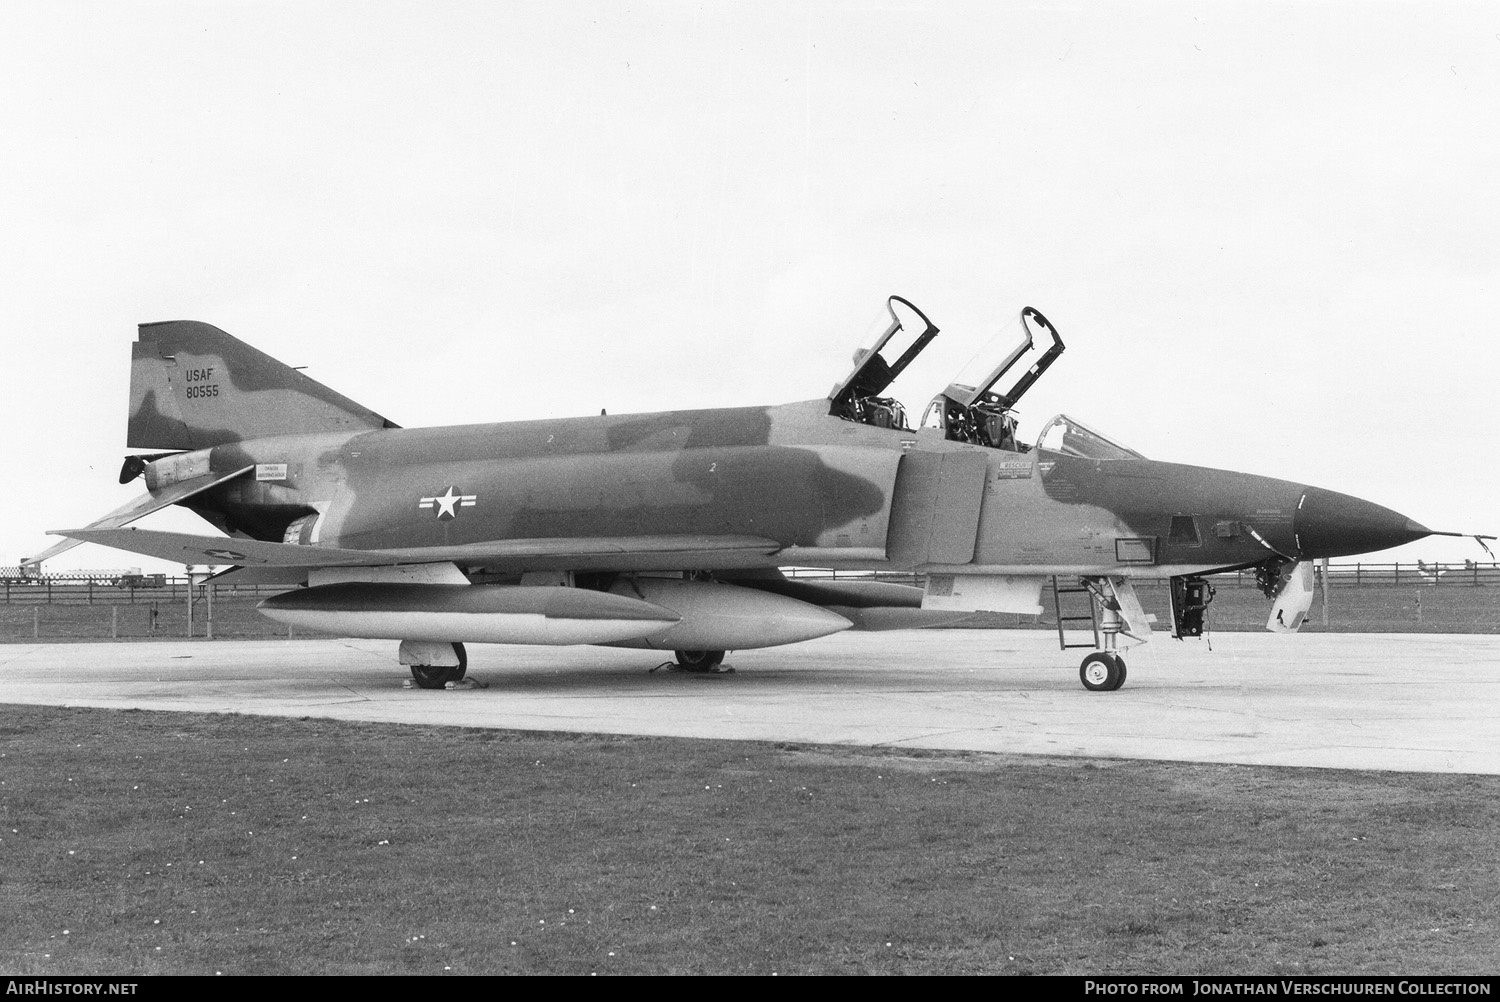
<point>825,491</point>
<point>668,530</point>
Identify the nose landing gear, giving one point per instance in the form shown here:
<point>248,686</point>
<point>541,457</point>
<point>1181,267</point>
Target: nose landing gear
<point>1102,671</point>
<point>1113,609</point>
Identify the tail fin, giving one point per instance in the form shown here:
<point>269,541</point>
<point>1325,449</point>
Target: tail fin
<point>192,386</point>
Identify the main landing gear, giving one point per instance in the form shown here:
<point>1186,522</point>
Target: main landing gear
<point>436,675</point>
<point>699,660</point>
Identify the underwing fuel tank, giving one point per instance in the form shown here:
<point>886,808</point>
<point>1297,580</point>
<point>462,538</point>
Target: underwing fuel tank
<point>496,614</point>
<point>723,617</point>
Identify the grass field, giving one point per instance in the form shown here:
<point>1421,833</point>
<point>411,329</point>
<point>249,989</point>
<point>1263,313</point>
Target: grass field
<point>141,843</point>
<point>149,843</point>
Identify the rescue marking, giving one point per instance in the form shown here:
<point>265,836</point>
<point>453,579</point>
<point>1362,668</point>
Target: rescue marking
<point>447,504</point>
<point>1012,469</point>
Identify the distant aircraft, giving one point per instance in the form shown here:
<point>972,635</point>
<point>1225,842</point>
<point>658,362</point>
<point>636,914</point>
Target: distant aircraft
<point>670,531</point>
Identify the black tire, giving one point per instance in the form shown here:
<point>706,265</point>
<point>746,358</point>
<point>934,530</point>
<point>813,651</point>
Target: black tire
<point>432,676</point>
<point>1102,671</point>
<point>438,676</point>
<point>699,660</point>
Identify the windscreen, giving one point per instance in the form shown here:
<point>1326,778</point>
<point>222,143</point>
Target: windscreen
<point>1072,437</point>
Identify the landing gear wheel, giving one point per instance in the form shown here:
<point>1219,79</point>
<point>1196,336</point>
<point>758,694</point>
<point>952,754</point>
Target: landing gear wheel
<point>1102,671</point>
<point>438,676</point>
<point>699,660</point>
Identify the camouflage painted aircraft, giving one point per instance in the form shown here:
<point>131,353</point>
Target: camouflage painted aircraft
<point>670,531</point>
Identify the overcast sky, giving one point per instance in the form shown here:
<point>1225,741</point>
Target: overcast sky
<point>1268,233</point>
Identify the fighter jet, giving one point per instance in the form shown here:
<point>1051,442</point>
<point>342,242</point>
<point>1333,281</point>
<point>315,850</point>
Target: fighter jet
<point>673,531</point>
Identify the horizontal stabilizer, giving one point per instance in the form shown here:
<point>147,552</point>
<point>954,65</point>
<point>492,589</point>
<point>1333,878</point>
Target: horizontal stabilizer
<point>141,507</point>
<point>185,548</point>
<point>188,548</point>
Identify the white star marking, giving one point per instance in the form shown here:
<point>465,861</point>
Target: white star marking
<point>447,504</point>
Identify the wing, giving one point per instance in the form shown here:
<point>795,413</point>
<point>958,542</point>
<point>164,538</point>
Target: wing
<point>614,552</point>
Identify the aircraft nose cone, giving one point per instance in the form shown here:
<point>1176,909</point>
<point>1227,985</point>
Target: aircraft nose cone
<point>1329,524</point>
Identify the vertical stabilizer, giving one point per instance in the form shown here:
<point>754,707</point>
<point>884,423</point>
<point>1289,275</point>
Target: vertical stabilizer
<point>193,386</point>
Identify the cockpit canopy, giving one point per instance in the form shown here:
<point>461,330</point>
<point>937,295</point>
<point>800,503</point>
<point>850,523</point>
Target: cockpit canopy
<point>971,410</point>
<point>893,341</point>
<point>975,383</point>
<point>1070,437</point>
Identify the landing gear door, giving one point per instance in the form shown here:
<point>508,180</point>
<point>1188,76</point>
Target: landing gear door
<point>1190,597</point>
<point>1293,599</point>
<point>1135,621</point>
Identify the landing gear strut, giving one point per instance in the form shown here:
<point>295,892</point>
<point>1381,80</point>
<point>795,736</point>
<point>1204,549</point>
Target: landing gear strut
<point>438,676</point>
<point>1104,671</point>
<point>699,660</point>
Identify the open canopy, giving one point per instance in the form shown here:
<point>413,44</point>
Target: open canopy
<point>971,409</point>
<point>893,341</point>
<point>976,382</point>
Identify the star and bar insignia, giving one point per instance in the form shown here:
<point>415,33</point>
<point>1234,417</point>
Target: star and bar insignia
<point>447,504</point>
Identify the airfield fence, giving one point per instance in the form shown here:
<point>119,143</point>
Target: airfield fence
<point>47,591</point>
<point>79,588</point>
<point>1467,574</point>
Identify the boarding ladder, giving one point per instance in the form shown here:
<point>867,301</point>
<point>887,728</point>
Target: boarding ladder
<point>1092,618</point>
